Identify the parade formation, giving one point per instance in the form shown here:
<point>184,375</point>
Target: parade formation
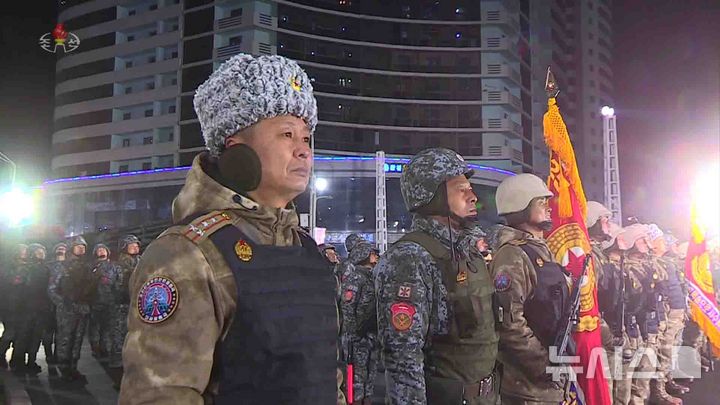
<point>236,303</point>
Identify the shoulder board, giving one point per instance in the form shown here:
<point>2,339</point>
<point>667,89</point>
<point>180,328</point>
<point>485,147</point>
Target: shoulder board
<point>517,242</point>
<point>204,226</point>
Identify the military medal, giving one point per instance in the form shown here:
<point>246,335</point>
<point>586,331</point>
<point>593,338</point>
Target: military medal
<point>461,276</point>
<point>540,262</point>
<point>243,251</point>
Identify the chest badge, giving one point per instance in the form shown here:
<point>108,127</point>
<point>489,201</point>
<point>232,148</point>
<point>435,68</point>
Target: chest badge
<point>539,262</point>
<point>243,251</point>
<point>461,276</point>
<point>404,291</point>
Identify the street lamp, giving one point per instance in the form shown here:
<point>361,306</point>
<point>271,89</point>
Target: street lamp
<point>611,168</point>
<point>318,184</point>
<point>13,166</point>
<point>607,111</point>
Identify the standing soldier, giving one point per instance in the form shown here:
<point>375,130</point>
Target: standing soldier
<point>234,304</point>
<point>345,267</point>
<point>359,328</point>
<point>38,306</point>
<point>673,304</point>
<point>72,290</point>
<point>531,291</point>
<point>15,279</point>
<point>48,340</point>
<point>435,316</point>
<point>643,307</point>
<point>103,304</point>
<point>612,293</point>
<point>128,259</point>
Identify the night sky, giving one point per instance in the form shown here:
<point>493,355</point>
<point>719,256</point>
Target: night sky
<point>667,93</point>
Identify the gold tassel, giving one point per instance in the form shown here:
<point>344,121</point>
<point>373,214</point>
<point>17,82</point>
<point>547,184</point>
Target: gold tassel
<point>558,140</point>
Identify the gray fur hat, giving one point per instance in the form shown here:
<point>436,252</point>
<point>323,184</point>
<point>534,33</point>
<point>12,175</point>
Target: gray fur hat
<point>246,89</point>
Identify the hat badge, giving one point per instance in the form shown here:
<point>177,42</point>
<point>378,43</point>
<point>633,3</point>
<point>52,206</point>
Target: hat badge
<point>295,83</point>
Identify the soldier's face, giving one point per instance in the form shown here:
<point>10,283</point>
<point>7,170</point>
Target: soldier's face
<point>60,254</point>
<point>373,259</point>
<point>40,254</point>
<point>461,197</point>
<point>78,250</point>
<point>133,249</point>
<point>539,211</point>
<point>101,254</point>
<point>481,245</point>
<point>659,247</point>
<point>331,256</point>
<point>283,146</point>
<point>23,253</point>
<point>642,246</point>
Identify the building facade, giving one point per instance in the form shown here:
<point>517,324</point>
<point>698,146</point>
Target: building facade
<point>398,76</point>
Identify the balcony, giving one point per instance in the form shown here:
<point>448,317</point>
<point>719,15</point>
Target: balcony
<point>501,70</point>
<point>258,19</point>
<point>500,17</point>
<point>503,125</point>
<point>503,152</point>
<point>501,97</point>
<point>228,22</point>
<point>257,48</point>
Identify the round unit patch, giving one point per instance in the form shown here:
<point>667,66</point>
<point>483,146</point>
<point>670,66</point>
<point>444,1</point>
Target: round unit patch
<point>502,282</point>
<point>401,316</point>
<point>157,300</point>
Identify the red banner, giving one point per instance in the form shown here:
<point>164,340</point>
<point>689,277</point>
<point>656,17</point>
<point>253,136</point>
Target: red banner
<point>569,242</point>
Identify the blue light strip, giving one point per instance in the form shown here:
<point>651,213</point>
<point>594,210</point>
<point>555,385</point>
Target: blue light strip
<point>317,159</point>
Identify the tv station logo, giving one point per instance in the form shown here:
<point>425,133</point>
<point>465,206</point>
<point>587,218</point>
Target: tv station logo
<point>59,38</point>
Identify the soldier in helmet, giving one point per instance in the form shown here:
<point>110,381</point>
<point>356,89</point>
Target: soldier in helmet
<point>48,339</point>
<point>72,290</point>
<point>103,305</point>
<point>531,291</point>
<point>359,327</point>
<point>15,279</point>
<point>435,317</point>
<point>345,266</point>
<point>642,308</point>
<point>610,285</point>
<point>128,259</point>
<point>35,305</point>
<point>234,303</point>
<point>671,304</point>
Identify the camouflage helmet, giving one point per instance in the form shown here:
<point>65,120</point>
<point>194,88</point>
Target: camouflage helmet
<point>59,245</point>
<point>33,247</point>
<point>654,232</point>
<point>595,211</point>
<point>360,253</point>
<point>126,241</point>
<point>352,241</point>
<point>515,193</point>
<point>426,171</point>
<point>629,235</point>
<point>77,240</point>
<point>101,246</point>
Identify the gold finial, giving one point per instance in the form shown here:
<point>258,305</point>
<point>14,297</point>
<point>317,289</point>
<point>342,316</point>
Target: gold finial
<point>551,87</point>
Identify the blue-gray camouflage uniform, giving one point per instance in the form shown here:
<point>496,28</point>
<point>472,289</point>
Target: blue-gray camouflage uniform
<point>124,268</point>
<point>14,280</point>
<point>102,306</point>
<point>71,290</point>
<point>434,301</point>
<point>359,328</point>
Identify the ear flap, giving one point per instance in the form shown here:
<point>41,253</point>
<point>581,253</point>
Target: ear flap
<point>240,168</point>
